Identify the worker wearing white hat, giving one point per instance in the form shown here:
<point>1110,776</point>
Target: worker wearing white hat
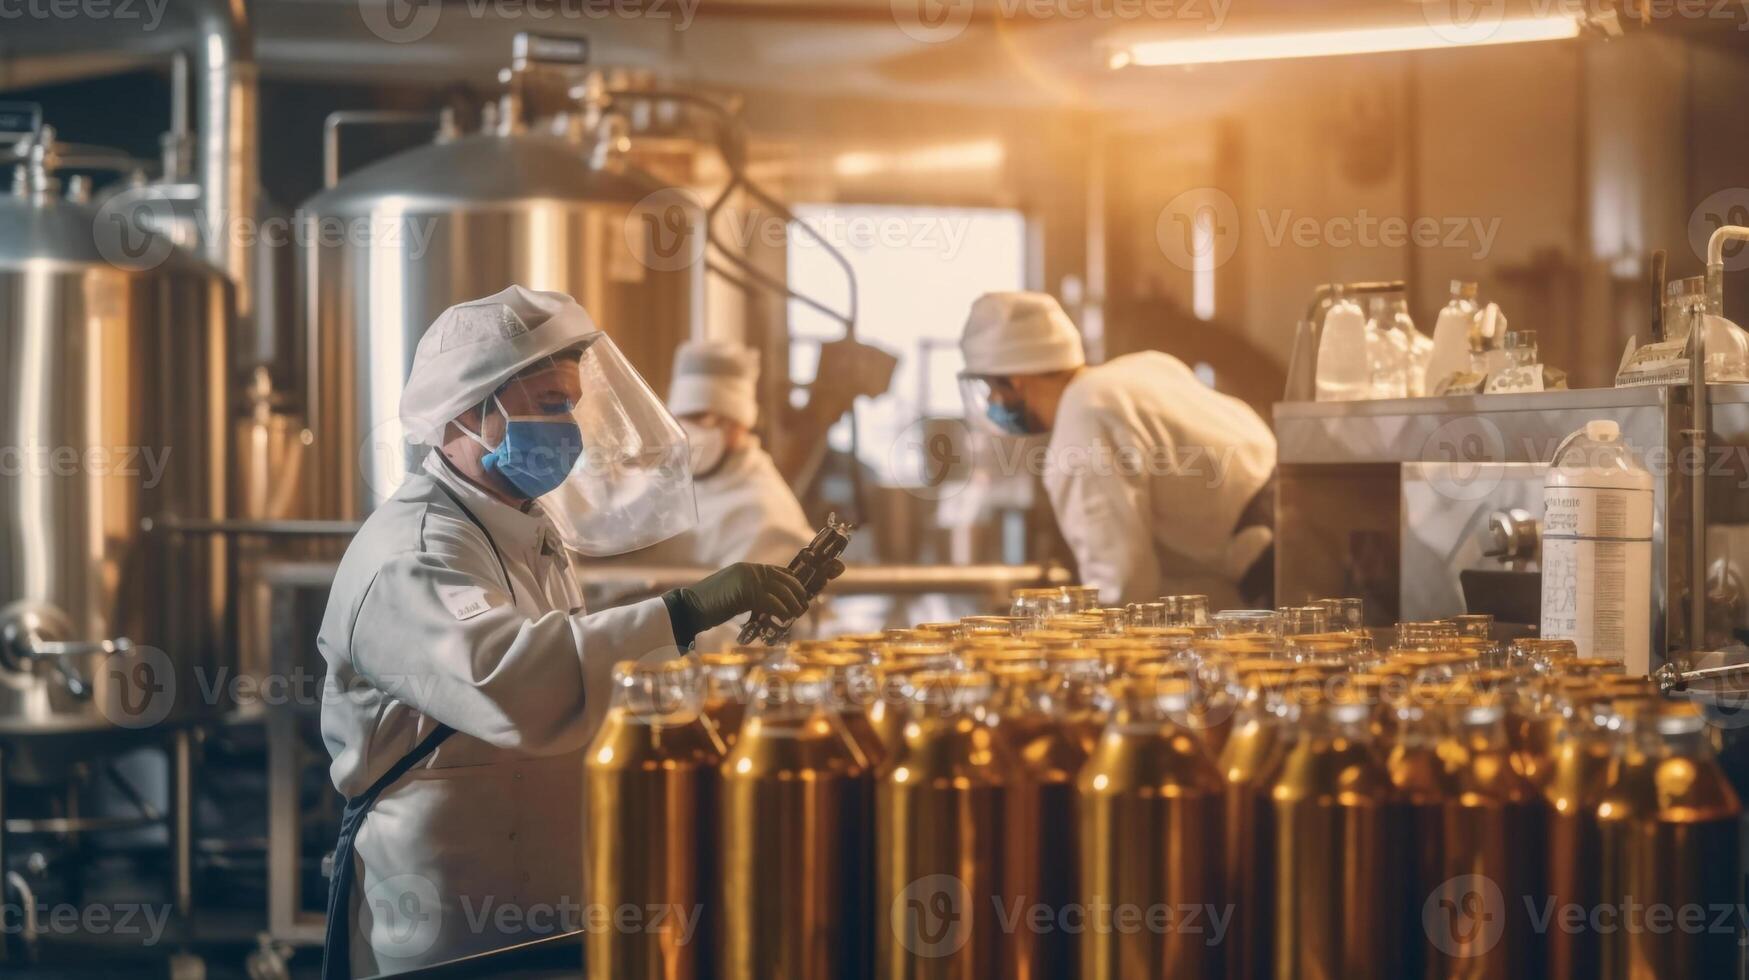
<point>746,511</point>
<point>465,675</point>
<point>1160,484</point>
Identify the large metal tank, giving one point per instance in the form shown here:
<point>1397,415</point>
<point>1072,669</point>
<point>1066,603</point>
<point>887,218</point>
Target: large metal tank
<point>114,418</point>
<point>393,244</point>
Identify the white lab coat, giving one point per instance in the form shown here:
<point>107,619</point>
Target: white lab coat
<point>1148,472</point>
<point>746,512</point>
<point>479,846</point>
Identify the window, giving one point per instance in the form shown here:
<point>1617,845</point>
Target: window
<point>918,271</point>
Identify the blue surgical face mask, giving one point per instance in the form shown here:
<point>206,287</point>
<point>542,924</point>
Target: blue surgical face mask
<point>538,451</point>
<point>1009,418</point>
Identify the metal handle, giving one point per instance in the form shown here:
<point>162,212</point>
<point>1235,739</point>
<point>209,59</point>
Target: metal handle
<point>1660,277</point>
<point>1677,675</point>
<point>44,649</point>
<point>359,117</point>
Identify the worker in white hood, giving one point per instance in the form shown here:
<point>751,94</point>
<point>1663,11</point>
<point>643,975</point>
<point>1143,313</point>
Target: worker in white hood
<point>1160,485</point>
<point>746,511</point>
<point>464,675</point>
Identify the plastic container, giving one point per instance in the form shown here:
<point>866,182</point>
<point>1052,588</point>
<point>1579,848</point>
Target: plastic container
<point>1450,353</point>
<point>1597,548</point>
<point>1343,372</point>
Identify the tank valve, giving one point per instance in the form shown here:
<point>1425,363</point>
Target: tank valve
<point>28,634</point>
<point>1511,536</point>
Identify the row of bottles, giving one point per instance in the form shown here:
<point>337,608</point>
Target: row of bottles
<point>1383,355</point>
<point>1028,797</point>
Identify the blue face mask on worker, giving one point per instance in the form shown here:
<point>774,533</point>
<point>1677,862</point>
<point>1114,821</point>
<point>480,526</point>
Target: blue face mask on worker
<point>537,451</point>
<point>1009,415</point>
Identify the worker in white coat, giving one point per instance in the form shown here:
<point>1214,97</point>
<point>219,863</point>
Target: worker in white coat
<point>746,511</point>
<point>1160,484</point>
<point>465,676</point>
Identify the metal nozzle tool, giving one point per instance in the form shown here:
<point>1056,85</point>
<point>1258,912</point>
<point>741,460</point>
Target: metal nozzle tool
<point>810,566</point>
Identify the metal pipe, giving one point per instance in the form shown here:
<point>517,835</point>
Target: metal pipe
<point>1715,305</point>
<point>182,822</point>
<point>249,528</point>
<point>356,117</point>
<point>227,158</point>
<point>1660,279</point>
<point>856,580</point>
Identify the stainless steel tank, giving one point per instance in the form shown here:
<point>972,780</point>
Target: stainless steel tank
<point>393,244</point>
<point>113,424</point>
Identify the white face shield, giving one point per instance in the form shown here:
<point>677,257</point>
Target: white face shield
<point>581,432</point>
<point>993,406</point>
<point>591,443</point>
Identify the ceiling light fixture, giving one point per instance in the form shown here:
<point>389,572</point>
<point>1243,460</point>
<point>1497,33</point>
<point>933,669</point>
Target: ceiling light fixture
<point>1321,44</point>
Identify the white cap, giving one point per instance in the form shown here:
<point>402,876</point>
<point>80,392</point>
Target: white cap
<point>1020,333</point>
<point>1603,430</point>
<point>473,348</point>
<point>714,376</point>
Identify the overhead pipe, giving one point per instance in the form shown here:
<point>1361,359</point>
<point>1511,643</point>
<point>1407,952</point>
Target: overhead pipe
<point>1698,433</point>
<point>227,146</point>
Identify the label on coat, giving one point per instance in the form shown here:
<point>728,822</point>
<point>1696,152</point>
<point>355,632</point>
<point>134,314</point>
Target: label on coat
<point>464,602</point>
<point>1597,572</point>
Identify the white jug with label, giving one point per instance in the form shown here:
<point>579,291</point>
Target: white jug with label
<point>1597,547</point>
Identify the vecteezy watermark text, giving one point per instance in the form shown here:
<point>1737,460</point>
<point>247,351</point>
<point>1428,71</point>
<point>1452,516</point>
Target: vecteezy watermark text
<point>409,21</point>
<point>147,13</point>
<point>936,21</point>
<point>130,920</point>
<point>1203,227</point>
<point>36,461</point>
<point>131,230</point>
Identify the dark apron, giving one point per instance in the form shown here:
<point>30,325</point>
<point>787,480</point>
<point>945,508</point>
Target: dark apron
<point>337,940</point>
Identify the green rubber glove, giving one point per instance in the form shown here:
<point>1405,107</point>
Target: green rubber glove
<point>741,588</point>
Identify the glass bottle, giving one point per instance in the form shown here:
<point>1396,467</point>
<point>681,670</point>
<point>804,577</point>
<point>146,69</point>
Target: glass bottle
<point>1418,345</point>
<point>1668,826</point>
<point>1387,353</point>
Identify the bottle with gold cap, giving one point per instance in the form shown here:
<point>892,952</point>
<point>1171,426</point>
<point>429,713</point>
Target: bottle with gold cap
<point>650,777</point>
<point>1576,777</point>
<point>941,839</point>
<point>1150,809</point>
<point>1027,708</point>
<point>1669,830</point>
<point>894,666</point>
<point>1334,836</point>
<point>1482,828</point>
<point>725,689</point>
<point>1081,701</point>
<point>853,691</point>
<point>789,786</point>
<point>1251,753</point>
